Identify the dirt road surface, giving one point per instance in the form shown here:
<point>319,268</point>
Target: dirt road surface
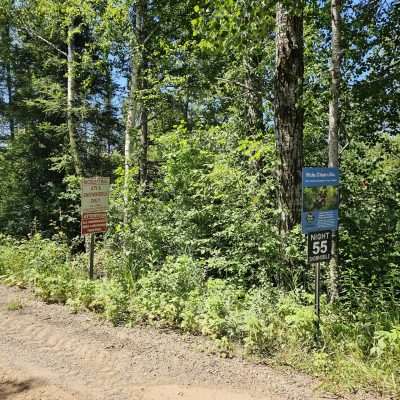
<point>47,353</point>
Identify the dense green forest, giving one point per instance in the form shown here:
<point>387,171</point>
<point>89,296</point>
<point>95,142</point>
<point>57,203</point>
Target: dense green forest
<point>203,114</point>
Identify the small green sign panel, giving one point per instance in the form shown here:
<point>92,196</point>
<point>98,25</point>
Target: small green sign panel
<point>319,246</point>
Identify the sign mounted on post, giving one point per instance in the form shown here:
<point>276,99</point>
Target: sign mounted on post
<point>320,205</point>
<point>319,246</point>
<point>94,204</point>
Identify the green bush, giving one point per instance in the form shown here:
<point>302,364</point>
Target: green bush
<point>221,312</point>
<point>370,216</point>
<point>161,295</point>
<point>83,296</point>
<point>359,349</point>
<point>110,300</point>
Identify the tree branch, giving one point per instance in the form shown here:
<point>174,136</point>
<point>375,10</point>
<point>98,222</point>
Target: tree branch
<point>240,84</point>
<point>249,89</point>
<point>150,35</point>
<point>31,32</point>
<point>52,45</point>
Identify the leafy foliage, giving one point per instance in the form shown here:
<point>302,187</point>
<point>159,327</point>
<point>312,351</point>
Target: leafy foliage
<point>265,320</point>
<point>200,248</point>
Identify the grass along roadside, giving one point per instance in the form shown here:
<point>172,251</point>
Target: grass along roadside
<point>360,351</point>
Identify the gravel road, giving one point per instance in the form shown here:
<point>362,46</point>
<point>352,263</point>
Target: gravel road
<point>47,353</point>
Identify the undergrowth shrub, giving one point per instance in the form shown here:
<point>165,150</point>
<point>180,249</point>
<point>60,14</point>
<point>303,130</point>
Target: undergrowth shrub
<point>221,312</point>
<point>161,295</point>
<point>111,301</point>
<point>357,349</point>
<point>84,295</point>
<point>55,285</point>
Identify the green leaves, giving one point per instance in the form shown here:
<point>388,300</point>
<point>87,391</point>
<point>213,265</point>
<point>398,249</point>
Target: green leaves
<point>370,211</point>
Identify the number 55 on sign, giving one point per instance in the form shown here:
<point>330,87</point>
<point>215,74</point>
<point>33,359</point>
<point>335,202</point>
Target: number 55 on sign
<point>319,246</point>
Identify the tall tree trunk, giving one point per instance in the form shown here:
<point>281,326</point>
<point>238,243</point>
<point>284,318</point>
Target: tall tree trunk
<point>254,105</point>
<point>9,85</point>
<point>129,125</point>
<point>289,112</point>
<point>334,121</point>
<point>136,116</point>
<point>10,101</point>
<point>142,115</point>
<point>254,101</point>
<point>109,125</point>
<point>71,119</point>
<point>144,146</point>
<point>8,70</point>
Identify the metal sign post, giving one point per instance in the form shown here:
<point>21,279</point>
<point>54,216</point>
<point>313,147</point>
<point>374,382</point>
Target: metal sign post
<point>319,250</point>
<point>319,219</point>
<point>317,301</point>
<point>94,207</point>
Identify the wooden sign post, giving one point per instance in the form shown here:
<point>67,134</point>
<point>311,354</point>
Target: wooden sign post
<point>94,208</point>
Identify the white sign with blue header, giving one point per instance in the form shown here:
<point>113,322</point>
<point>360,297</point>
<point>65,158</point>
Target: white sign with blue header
<point>320,208</point>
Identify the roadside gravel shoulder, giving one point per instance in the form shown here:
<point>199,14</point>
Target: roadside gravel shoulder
<point>48,353</point>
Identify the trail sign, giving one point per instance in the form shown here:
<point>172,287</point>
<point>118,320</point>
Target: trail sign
<point>93,223</point>
<point>94,204</point>
<point>319,246</point>
<point>320,205</point>
<point>319,218</point>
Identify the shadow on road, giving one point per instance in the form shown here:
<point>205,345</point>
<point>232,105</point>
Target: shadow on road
<point>9,387</point>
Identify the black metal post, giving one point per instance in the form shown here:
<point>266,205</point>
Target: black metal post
<point>91,256</point>
<point>317,301</point>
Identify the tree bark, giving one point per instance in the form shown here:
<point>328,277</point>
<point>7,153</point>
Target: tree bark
<point>9,83</point>
<point>142,115</point>
<point>144,146</point>
<point>10,102</point>
<point>254,116</point>
<point>7,55</point>
<point>71,119</point>
<point>254,100</point>
<point>136,114</point>
<point>128,143</point>
<point>289,112</point>
<point>334,122</point>
<point>109,125</point>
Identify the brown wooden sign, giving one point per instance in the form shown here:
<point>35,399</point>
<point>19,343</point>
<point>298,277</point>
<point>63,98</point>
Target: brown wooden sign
<point>94,204</point>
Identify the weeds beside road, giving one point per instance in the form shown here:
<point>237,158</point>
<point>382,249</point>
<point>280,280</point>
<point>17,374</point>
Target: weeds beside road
<point>357,352</point>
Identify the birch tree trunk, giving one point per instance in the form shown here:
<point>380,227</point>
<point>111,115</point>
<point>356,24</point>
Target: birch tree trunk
<point>6,56</point>
<point>254,106</point>
<point>9,82</point>
<point>10,102</point>
<point>109,109</point>
<point>254,100</point>
<point>142,117</point>
<point>289,112</point>
<point>334,122</point>
<point>71,119</point>
<point>128,142</point>
<point>136,116</point>
<point>144,146</point>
